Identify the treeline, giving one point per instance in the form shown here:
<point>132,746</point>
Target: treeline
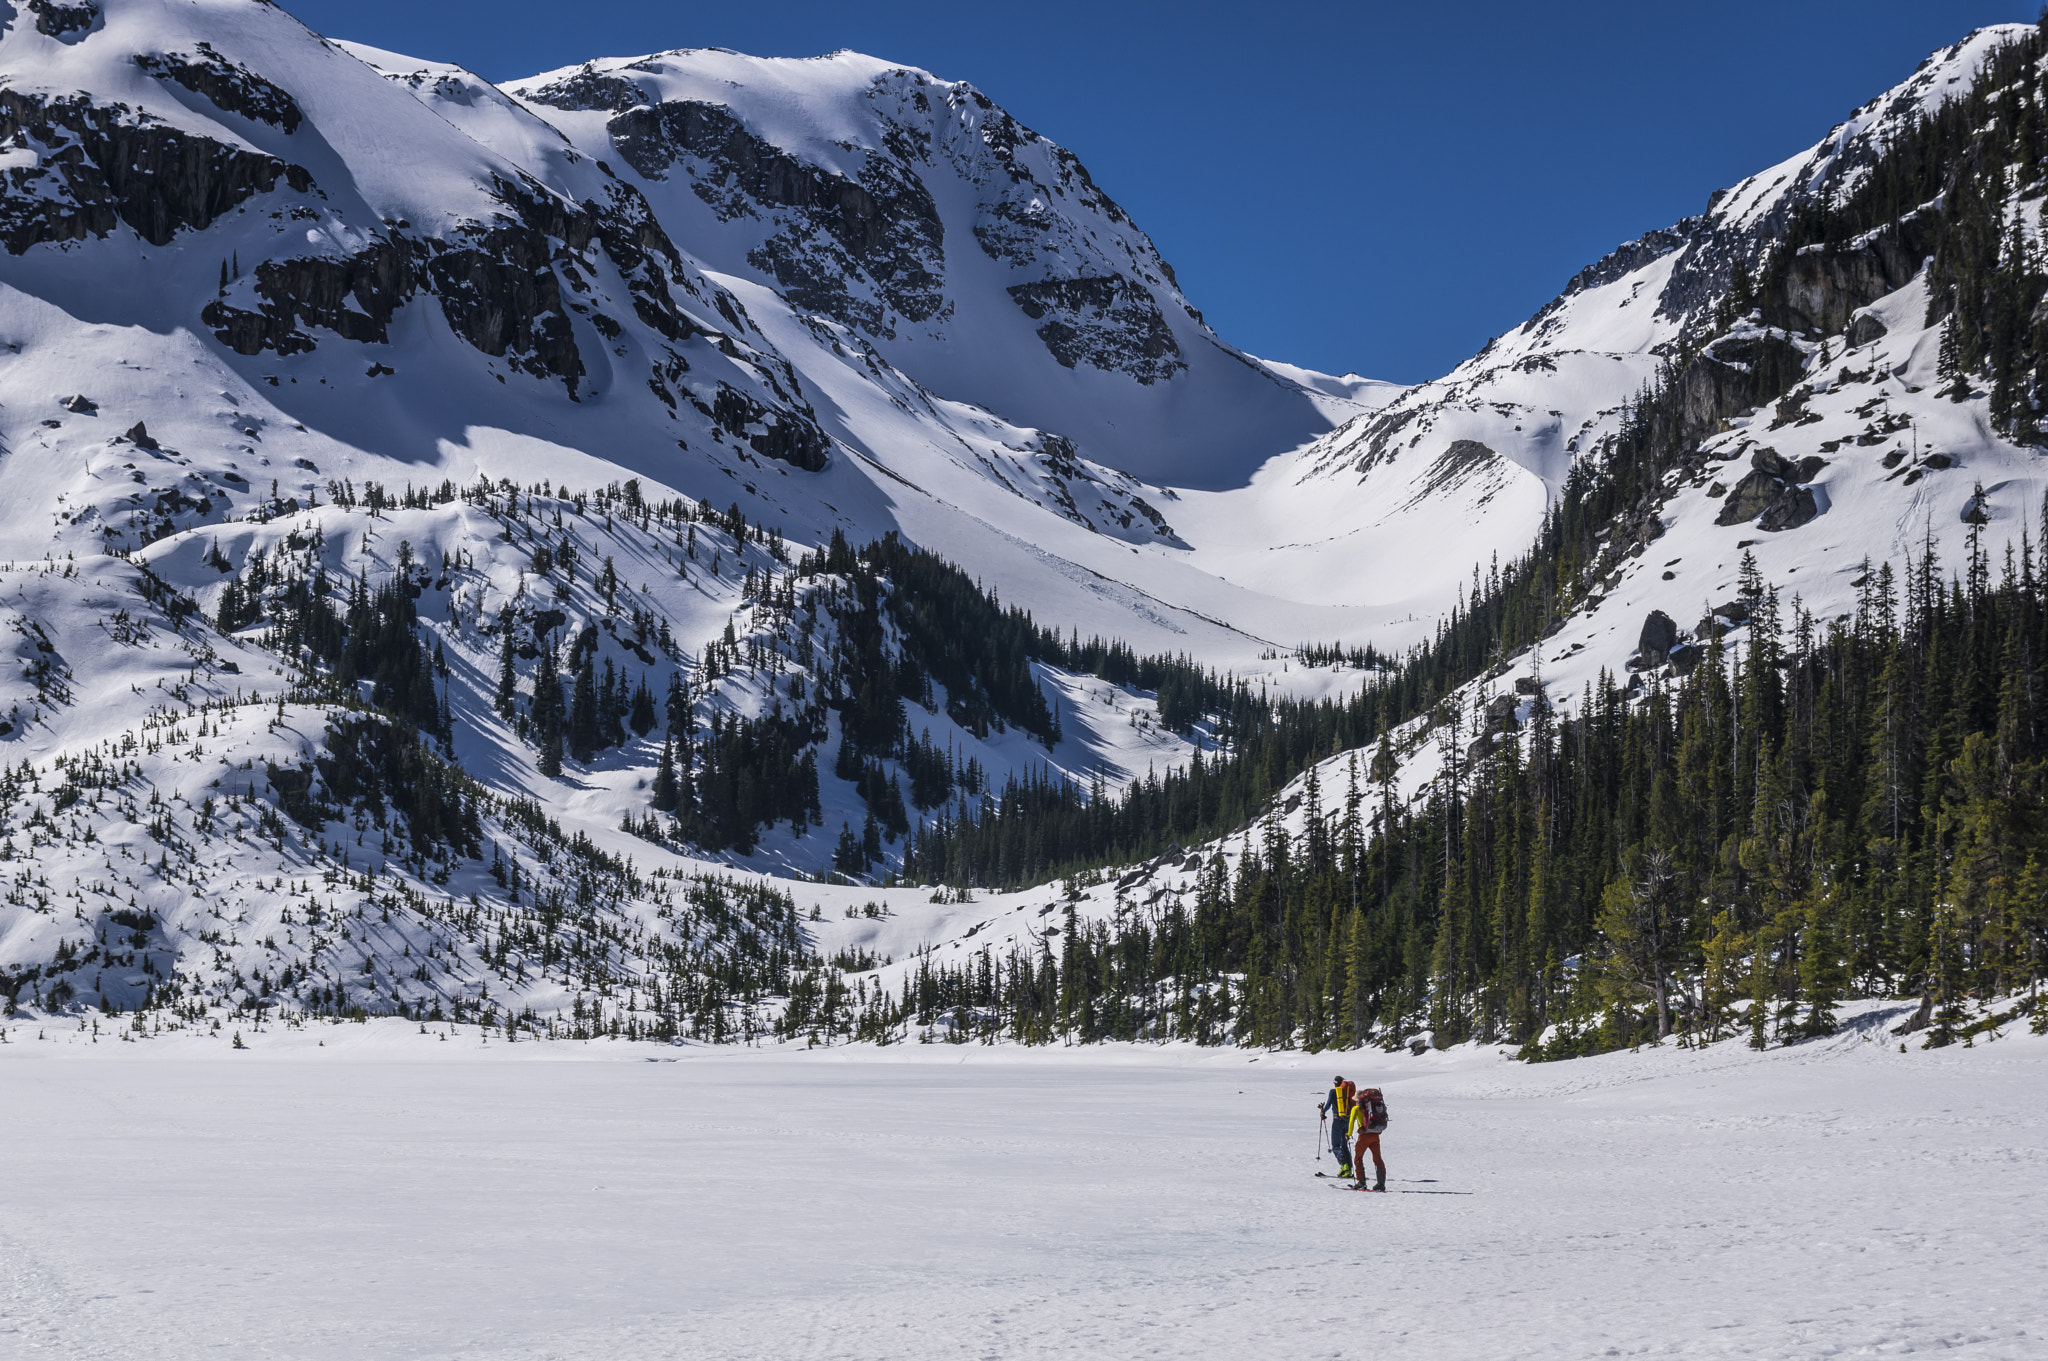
<point>1038,827</point>
<point>567,906</point>
<point>1814,813</point>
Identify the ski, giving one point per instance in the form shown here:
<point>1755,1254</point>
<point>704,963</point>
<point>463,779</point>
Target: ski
<point>1344,1185</point>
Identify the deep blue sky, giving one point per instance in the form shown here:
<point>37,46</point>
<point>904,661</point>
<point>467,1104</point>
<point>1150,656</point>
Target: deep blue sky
<point>1367,187</point>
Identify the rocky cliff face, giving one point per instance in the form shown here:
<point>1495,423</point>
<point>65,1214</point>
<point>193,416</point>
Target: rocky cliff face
<point>866,245</point>
<point>92,168</point>
<point>973,253</point>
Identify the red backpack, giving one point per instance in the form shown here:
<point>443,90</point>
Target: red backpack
<point>1375,1110</point>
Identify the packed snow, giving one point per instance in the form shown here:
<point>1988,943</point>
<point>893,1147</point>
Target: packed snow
<point>353,1190</point>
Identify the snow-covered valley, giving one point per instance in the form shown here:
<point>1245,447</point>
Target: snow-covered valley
<point>356,1190</point>
<point>685,708</point>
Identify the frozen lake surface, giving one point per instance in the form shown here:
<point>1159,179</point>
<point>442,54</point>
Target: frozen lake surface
<point>394,1195</point>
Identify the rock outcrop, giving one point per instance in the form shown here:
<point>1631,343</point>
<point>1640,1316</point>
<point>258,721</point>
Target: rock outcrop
<point>231,88</point>
<point>1105,323</point>
<point>1771,494</point>
<point>1660,633</point>
<point>99,167</point>
<point>837,233</point>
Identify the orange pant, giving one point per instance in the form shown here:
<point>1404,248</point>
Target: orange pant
<point>1367,1143</point>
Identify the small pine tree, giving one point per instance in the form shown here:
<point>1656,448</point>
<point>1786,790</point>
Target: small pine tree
<point>1948,364</point>
<point>508,677</point>
<point>547,711</point>
<point>583,736</point>
<point>1822,973</point>
<point>667,790</point>
<point>1945,976</point>
<point>642,716</point>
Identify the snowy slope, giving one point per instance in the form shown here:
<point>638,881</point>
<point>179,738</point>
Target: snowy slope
<point>248,272</point>
<point>1894,469</point>
<point>978,256</point>
<point>1400,503</point>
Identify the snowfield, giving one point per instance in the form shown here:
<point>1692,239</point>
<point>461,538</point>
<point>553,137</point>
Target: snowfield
<point>363,1190</point>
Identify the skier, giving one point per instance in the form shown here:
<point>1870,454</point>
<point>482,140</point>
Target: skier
<point>1337,1107</point>
<point>1368,1119</point>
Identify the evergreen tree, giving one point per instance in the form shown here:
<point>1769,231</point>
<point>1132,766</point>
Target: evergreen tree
<point>667,788</point>
<point>546,711</point>
<point>583,736</point>
<point>642,718</point>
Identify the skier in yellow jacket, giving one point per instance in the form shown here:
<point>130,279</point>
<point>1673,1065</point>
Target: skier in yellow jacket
<point>1336,1108</point>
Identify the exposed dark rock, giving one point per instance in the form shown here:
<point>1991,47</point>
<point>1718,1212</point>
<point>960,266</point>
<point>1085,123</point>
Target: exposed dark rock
<point>81,405</point>
<point>1770,494</point>
<point>1659,633</point>
<point>885,224</point>
<point>1771,463</point>
<point>774,434</point>
<point>1792,407</point>
<point>138,435</point>
<point>1937,462</point>
<point>176,502</point>
<point>1825,288</point>
<point>1106,322</point>
<point>646,258</point>
<point>1685,658</point>
<point>1461,460</point>
<point>1794,507</point>
<point>100,166</point>
<point>235,89</point>
<point>497,284</point>
<point>63,18</point>
<point>354,296</point>
<point>1627,258</point>
<point>1120,505</point>
<point>1750,498</point>
<point>1725,380</point>
<point>590,91</point>
<point>1864,328</point>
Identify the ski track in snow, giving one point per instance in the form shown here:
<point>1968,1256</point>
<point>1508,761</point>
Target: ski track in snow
<point>400,1196</point>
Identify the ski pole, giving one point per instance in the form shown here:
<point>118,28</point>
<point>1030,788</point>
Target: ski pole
<point>1321,1121</point>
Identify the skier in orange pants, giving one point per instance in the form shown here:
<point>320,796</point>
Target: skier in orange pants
<point>1368,1119</point>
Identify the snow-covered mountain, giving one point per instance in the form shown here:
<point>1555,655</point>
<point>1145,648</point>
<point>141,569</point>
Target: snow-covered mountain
<point>580,367</point>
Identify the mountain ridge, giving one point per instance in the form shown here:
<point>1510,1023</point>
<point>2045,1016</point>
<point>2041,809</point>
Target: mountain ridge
<point>656,419</point>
